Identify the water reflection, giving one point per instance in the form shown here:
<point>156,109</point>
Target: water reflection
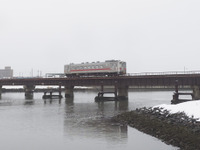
<point>69,101</point>
<point>52,100</point>
<point>94,120</point>
<point>118,106</point>
<point>6,102</point>
<point>69,108</point>
<point>29,102</point>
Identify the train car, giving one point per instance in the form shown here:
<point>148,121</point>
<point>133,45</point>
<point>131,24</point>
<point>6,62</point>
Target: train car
<point>107,68</point>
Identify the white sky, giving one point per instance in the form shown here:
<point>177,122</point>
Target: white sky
<point>150,35</point>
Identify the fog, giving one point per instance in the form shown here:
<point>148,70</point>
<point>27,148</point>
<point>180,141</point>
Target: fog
<point>151,36</point>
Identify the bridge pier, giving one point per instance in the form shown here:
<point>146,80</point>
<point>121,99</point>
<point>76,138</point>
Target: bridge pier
<point>123,92</point>
<point>69,91</point>
<point>29,89</point>
<point>120,93</point>
<point>196,92</point>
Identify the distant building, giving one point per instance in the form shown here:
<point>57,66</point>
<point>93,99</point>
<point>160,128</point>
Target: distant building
<point>6,73</point>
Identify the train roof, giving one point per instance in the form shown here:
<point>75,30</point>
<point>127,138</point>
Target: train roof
<point>95,62</point>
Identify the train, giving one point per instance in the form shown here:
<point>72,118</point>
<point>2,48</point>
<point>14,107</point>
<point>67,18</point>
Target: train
<point>107,68</point>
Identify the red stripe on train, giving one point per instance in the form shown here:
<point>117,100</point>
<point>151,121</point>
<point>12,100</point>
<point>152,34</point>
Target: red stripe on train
<point>91,69</point>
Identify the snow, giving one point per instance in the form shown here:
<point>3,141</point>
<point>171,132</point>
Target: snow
<point>190,108</point>
<point>21,87</point>
<point>43,87</point>
<point>12,87</point>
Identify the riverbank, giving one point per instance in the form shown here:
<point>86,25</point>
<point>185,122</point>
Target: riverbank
<point>172,126</point>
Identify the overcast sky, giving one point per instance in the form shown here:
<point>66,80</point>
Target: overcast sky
<point>150,35</point>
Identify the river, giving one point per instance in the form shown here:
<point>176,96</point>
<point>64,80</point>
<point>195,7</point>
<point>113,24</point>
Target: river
<point>75,124</point>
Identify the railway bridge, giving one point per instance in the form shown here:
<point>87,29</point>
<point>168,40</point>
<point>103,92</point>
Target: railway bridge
<point>121,83</point>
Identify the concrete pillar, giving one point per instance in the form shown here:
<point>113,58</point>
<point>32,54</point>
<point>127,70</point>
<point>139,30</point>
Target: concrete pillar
<point>176,86</point>
<point>29,89</point>
<point>60,90</point>
<point>123,92</point>
<point>69,91</point>
<point>196,92</point>
<point>0,91</point>
<point>102,88</point>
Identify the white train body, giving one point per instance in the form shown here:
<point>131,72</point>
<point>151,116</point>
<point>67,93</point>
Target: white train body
<point>109,67</point>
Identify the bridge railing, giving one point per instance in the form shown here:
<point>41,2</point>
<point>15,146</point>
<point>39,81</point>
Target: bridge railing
<point>164,73</point>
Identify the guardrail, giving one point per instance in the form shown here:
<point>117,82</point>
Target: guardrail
<point>164,73</point>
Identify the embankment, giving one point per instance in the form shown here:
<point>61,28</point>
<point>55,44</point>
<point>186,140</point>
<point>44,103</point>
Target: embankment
<point>175,129</point>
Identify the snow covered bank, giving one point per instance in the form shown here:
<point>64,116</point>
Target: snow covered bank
<point>191,108</point>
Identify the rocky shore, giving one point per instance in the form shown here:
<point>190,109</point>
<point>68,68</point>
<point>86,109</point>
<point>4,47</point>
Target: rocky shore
<point>176,129</point>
